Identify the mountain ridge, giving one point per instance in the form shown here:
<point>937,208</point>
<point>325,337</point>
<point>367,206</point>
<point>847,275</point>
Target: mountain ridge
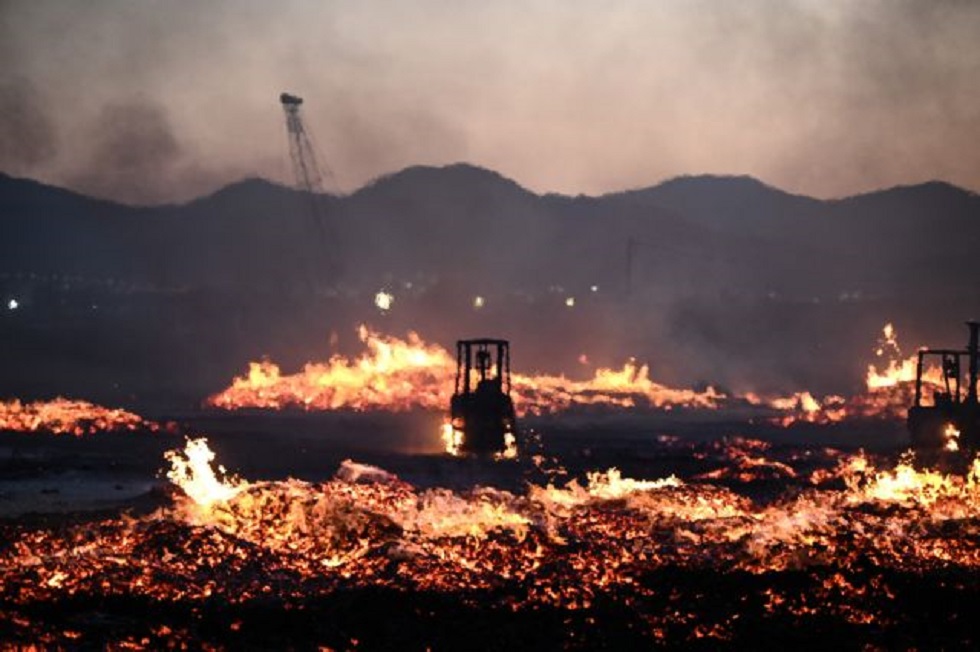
<point>457,170</point>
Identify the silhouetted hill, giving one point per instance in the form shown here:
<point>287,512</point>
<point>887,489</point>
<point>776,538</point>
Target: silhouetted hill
<point>728,202</point>
<point>715,279</point>
<point>26,197</point>
<point>693,235</point>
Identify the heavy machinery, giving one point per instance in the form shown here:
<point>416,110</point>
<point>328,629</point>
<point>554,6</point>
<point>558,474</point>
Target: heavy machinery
<point>950,417</point>
<point>481,411</point>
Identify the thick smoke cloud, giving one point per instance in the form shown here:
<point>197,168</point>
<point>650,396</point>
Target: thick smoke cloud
<point>134,155</point>
<point>822,97</point>
<point>27,133</point>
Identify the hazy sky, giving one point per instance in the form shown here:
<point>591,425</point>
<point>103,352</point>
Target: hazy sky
<point>152,100</point>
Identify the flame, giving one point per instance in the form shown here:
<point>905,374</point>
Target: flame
<point>397,375</point>
<point>951,438</point>
<point>191,471</point>
<point>510,447</point>
<point>393,375</point>
<point>452,439</point>
<point>889,390</point>
<point>64,416</point>
<point>835,553</point>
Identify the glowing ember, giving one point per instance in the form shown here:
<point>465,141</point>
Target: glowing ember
<point>63,416</point>
<point>510,447</point>
<point>951,437</point>
<point>452,439</point>
<point>807,556</point>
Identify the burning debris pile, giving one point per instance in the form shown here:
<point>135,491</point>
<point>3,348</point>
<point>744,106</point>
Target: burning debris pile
<point>847,549</point>
<point>397,375</point>
<point>63,416</point>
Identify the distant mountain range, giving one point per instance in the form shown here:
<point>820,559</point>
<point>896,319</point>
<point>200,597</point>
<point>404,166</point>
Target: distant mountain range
<point>712,279</point>
<point>691,235</point>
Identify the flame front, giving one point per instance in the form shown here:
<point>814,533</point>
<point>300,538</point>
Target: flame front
<point>397,375</point>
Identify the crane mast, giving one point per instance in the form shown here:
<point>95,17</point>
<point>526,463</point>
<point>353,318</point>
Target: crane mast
<point>308,178</point>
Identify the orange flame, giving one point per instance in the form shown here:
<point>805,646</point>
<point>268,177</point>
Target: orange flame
<point>395,374</point>
<point>235,543</point>
<point>63,416</point>
<point>888,394</point>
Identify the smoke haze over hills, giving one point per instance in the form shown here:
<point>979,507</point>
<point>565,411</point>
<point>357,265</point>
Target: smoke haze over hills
<point>824,98</point>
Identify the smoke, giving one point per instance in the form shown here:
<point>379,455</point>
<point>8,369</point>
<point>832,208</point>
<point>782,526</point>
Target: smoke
<point>363,140</point>
<point>132,154</point>
<point>28,138</point>
<point>822,97</point>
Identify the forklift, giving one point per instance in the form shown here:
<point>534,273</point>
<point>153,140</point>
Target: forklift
<point>949,419</point>
<point>481,411</point>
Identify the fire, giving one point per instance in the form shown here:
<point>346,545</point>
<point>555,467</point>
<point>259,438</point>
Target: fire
<point>947,495</point>
<point>452,439</point>
<point>888,390</point>
<point>191,471</point>
<point>64,416</point>
<point>814,552</point>
<point>627,387</point>
<point>398,375</point>
<point>951,436</point>
<point>393,374</point>
<point>510,447</point>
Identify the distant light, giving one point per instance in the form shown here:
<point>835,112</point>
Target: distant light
<point>13,305</point>
<point>478,302</point>
<point>383,300</point>
<point>570,302</point>
<point>594,288</point>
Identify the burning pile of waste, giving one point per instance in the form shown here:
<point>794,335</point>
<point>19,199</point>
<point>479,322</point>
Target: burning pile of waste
<point>63,416</point>
<point>849,548</point>
<point>403,374</point>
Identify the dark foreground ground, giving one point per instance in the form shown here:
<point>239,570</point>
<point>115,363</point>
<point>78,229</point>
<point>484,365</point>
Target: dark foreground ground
<point>185,585</point>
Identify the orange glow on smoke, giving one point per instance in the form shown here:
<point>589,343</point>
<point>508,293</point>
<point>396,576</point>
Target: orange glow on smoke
<point>63,416</point>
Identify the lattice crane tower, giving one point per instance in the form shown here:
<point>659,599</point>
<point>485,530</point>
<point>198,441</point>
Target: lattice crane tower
<point>307,172</point>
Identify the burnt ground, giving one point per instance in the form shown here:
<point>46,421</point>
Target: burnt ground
<point>50,482</point>
<point>923,612</point>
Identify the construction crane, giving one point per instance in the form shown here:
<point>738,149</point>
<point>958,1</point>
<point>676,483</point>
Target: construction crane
<point>309,180</point>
